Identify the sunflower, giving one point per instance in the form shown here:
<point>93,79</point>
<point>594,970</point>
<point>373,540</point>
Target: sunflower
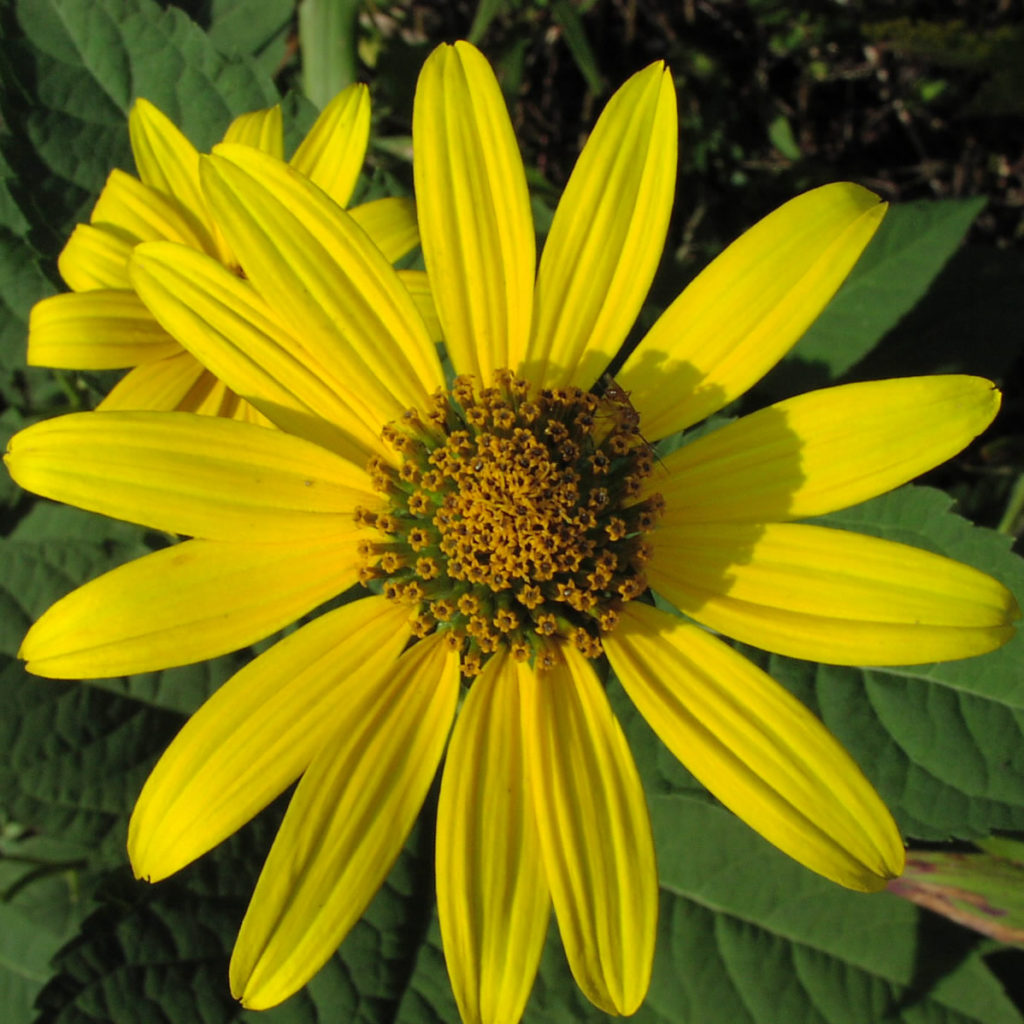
<point>495,537</point>
<point>102,325</point>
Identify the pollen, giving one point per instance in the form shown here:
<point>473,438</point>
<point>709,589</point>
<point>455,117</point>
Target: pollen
<point>515,517</point>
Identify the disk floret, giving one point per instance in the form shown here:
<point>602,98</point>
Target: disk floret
<point>514,517</point>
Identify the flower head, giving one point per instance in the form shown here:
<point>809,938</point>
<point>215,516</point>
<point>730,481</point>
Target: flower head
<point>103,325</point>
<point>508,528</point>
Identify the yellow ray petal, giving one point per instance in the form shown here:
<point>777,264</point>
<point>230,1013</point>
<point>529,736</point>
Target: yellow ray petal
<point>169,163</point>
<point>261,129</point>
<point>418,285</point>
<point>176,383</point>
<point>324,278</point>
<point>163,384</point>
<point>492,898</point>
<point>474,211</point>
<point>256,735</point>
<point>186,603</point>
<point>595,833</point>
<point>202,476</point>
<point>391,224</point>
<point>606,237</point>
<point>829,595</point>
<point>96,330</point>
<point>758,749</point>
<point>345,825</point>
<point>95,257</point>
<point>824,450</point>
<point>140,214</point>
<point>749,307</point>
<point>223,321</point>
<point>332,153</point>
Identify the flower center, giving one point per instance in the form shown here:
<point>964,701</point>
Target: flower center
<point>514,519</point>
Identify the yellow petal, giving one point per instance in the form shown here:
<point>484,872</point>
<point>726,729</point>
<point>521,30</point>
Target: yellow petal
<point>223,321</point>
<point>757,748</point>
<point>186,603</point>
<point>163,384</point>
<point>418,285</point>
<point>256,735</point>
<point>96,330</point>
<point>474,211</point>
<point>332,153</point>
<point>824,450</point>
<point>95,257</point>
<point>261,129</point>
<point>169,163</point>
<point>492,899</point>
<point>595,833</point>
<point>324,278</point>
<point>606,237</point>
<point>177,383</point>
<point>345,825</point>
<point>391,224</point>
<point>197,475</point>
<point>830,595</point>
<point>749,307</point>
<point>141,214</point>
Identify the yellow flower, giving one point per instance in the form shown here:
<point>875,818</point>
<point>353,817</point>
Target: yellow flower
<point>102,325</point>
<point>507,526</point>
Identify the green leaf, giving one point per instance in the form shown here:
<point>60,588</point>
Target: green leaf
<point>968,322</point>
<point>250,28</point>
<point>327,38</point>
<point>22,284</point>
<point>70,78</point>
<point>977,890</point>
<point>486,12</point>
<point>747,935</point>
<point>160,953</point>
<point>73,759</point>
<point>41,904</point>
<point>910,249</point>
<point>579,46</point>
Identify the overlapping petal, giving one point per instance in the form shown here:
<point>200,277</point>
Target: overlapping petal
<point>418,285</point>
<point>492,898</point>
<point>139,213</point>
<point>324,277</point>
<point>262,129</point>
<point>595,833</point>
<point>196,475</point>
<point>95,258</point>
<point>332,153</point>
<point>259,731</point>
<point>391,224</point>
<point>231,330</point>
<point>757,748</point>
<point>607,235</point>
<point>99,330</point>
<point>824,450</point>
<point>345,824</point>
<point>185,603</point>
<point>474,212</point>
<point>749,307</point>
<point>178,384</point>
<point>829,595</point>
<point>169,163</point>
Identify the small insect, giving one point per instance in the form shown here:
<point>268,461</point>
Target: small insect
<point>612,393</point>
<point>625,413</point>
